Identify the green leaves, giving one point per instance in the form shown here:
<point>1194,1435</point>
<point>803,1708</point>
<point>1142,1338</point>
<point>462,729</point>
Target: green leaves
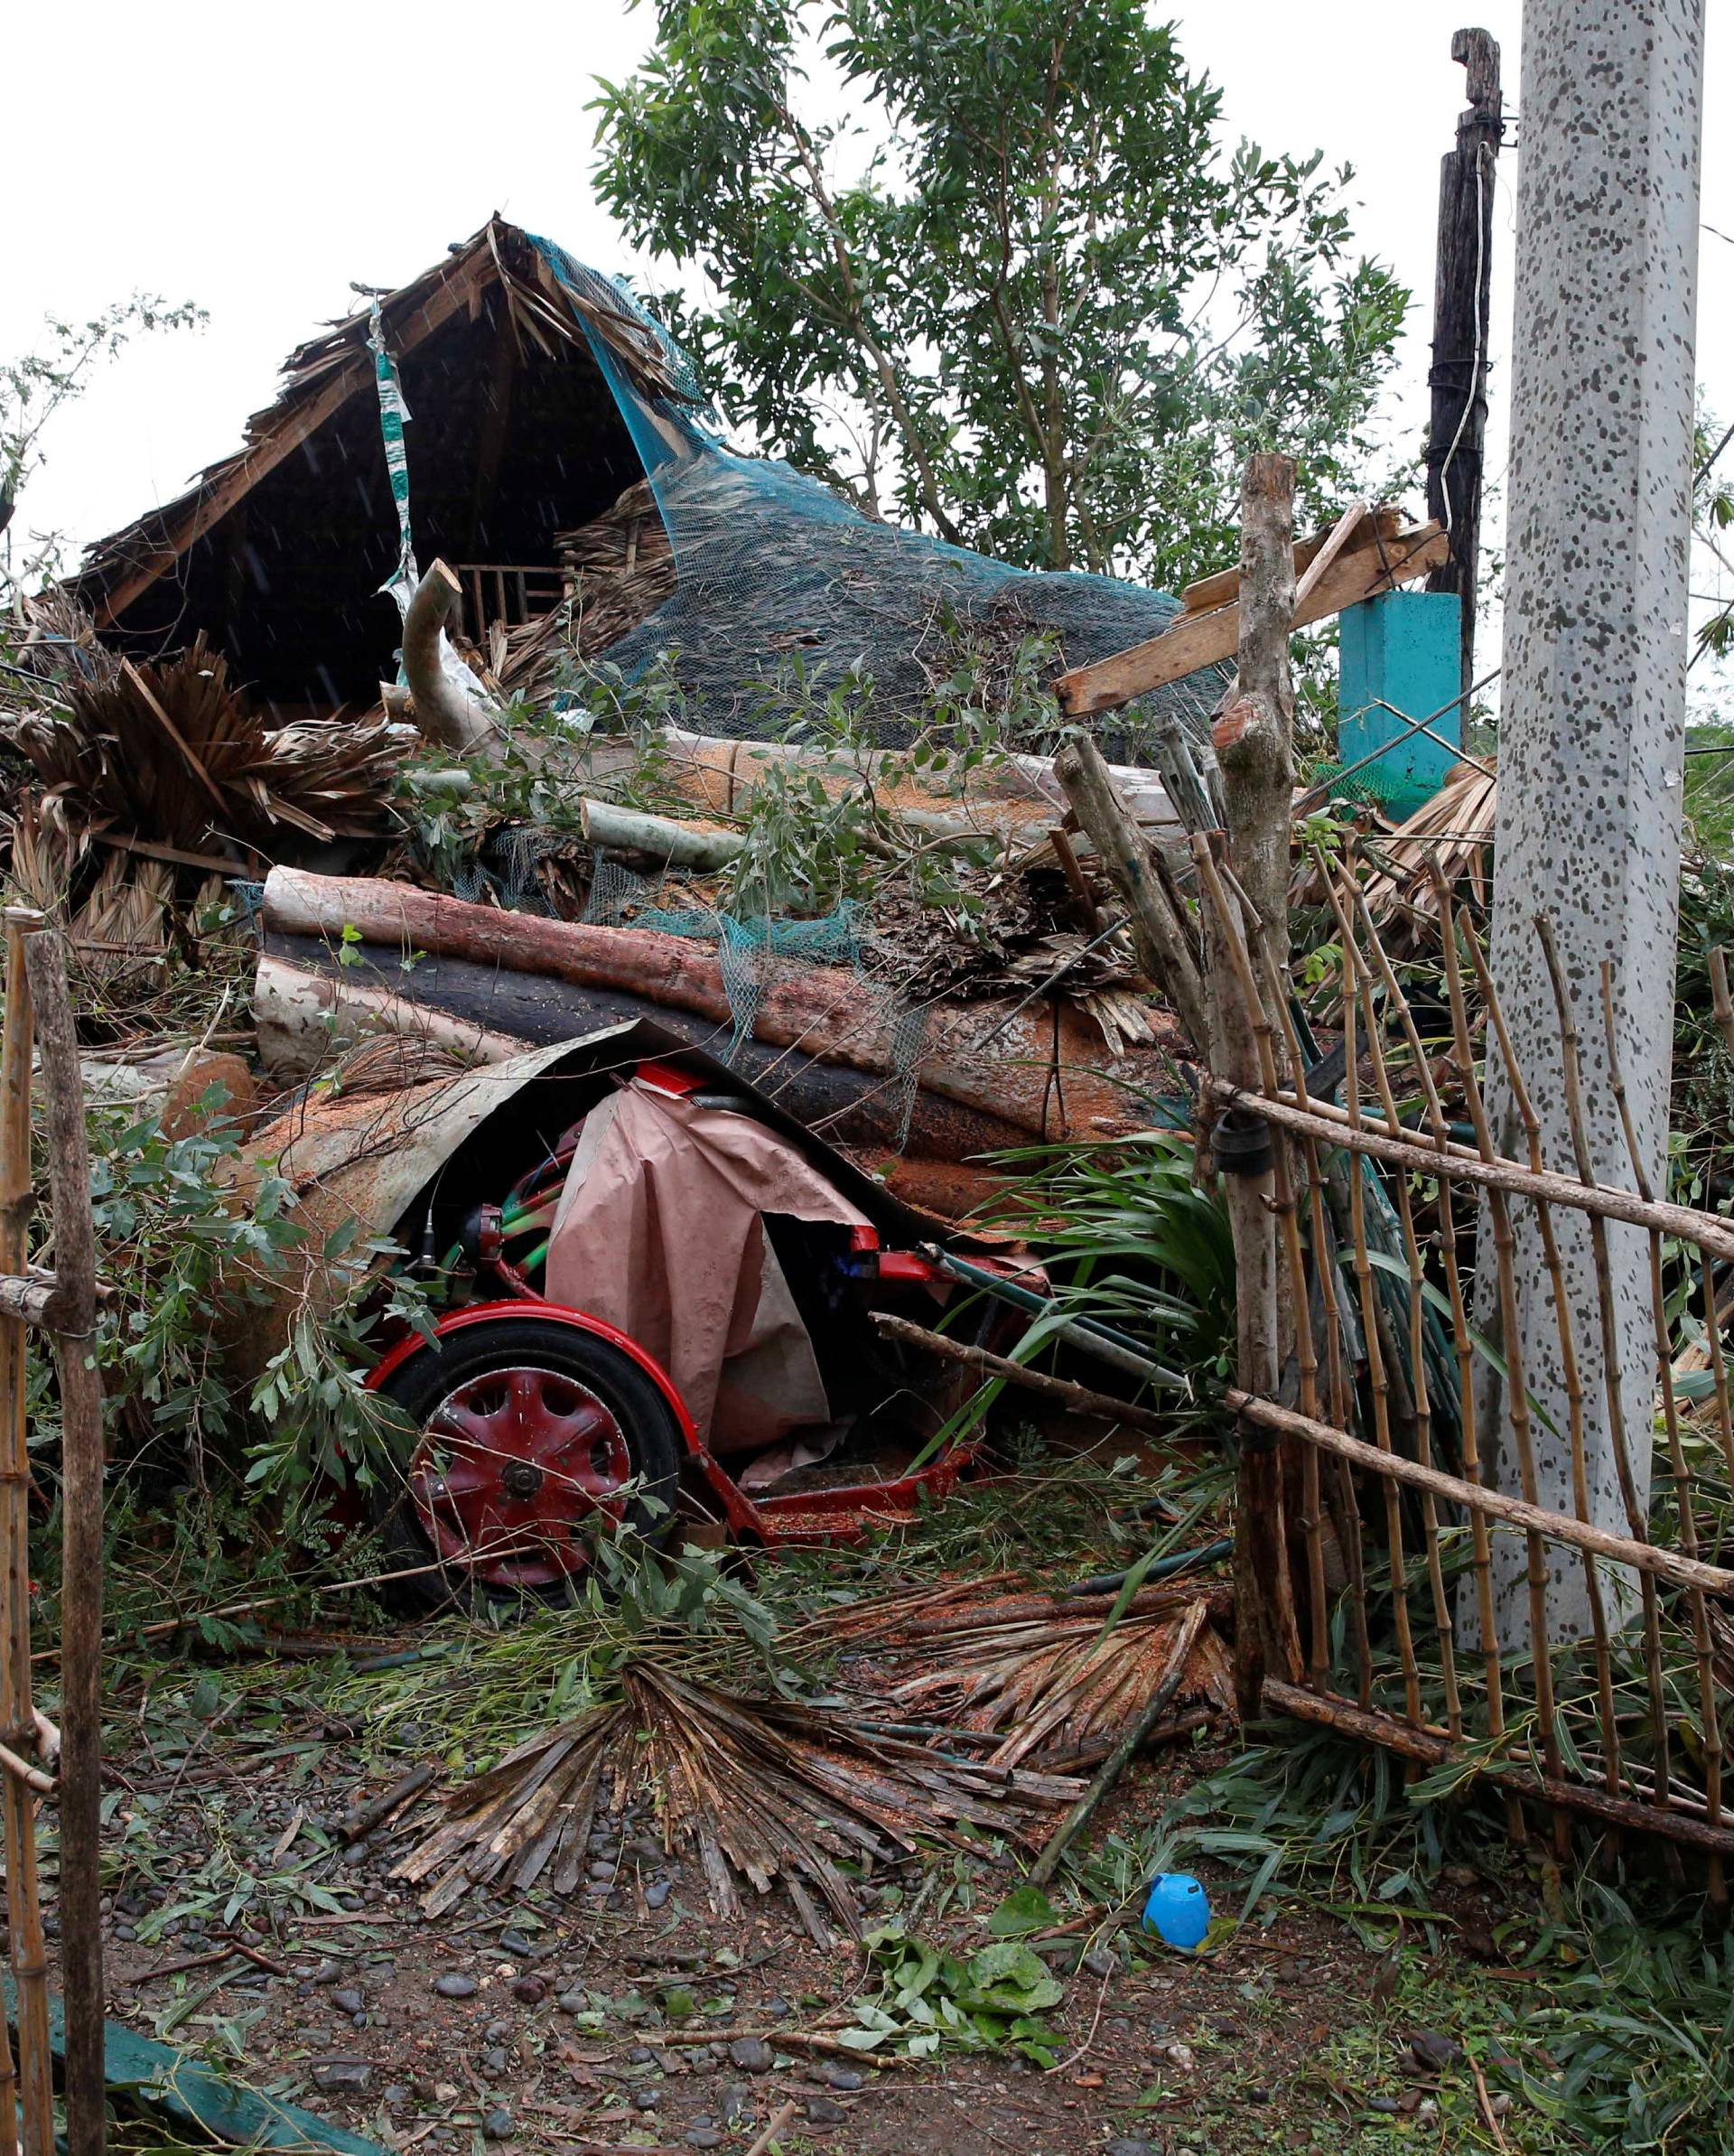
<point>929,2000</point>
<point>1024,1910</point>
<point>1027,298</point>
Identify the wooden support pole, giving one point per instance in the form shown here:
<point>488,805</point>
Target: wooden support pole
<point>17,1719</point>
<point>82,1540</point>
<point>1462,287</point>
<point>1162,939</point>
<point>1252,738</point>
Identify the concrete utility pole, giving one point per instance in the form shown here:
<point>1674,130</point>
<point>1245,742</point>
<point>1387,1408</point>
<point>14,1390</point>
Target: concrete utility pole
<point>1592,701</point>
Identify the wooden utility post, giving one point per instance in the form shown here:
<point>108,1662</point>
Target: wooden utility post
<point>1592,710</point>
<point>1462,283</point>
<point>81,1553</point>
<point>1254,745</point>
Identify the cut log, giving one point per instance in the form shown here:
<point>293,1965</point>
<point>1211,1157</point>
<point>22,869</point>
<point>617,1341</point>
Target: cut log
<point>305,1003</point>
<point>823,1011</point>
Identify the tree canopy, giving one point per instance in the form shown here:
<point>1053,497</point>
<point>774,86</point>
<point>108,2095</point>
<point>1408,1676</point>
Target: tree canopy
<point>993,268</point>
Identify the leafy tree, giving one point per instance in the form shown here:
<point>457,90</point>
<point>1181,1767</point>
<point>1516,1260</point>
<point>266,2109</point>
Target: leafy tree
<point>33,388</point>
<point>1024,295</point>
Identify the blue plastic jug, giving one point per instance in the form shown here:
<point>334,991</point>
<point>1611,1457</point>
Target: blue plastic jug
<point>1177,1910</point>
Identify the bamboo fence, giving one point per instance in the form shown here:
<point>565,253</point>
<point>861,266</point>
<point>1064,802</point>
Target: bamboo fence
<point>1379,1617</point>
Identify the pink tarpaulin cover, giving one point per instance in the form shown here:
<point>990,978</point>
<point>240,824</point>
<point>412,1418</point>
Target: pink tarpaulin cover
<point>660,1231</point>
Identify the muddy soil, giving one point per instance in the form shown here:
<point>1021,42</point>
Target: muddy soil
<point>241,1927</point>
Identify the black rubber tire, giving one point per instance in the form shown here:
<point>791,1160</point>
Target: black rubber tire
<point>654,1443</point>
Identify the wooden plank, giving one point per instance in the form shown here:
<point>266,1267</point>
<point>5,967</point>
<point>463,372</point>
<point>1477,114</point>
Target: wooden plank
<point>1217,589</point>
<point>1206,639</point>
<point>219,865</point>
<point>1349,529</point>
<point>211,505</point>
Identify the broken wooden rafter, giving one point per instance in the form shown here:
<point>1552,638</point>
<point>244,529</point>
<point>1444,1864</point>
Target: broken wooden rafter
<point>1367,559</point>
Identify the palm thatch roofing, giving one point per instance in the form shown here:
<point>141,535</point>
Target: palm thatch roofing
<point>276,553</point>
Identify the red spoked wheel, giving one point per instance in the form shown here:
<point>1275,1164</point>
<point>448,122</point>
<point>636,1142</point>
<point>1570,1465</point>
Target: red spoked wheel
<point>536,1439</point>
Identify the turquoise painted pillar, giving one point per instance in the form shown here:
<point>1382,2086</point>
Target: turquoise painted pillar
<point>1403,650</point>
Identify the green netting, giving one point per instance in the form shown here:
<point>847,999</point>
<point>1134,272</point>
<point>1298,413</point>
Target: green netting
<point>773,568</point>
<point>1388,791</point>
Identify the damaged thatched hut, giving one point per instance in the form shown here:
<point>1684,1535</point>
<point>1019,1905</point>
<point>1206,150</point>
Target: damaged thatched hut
<point>560,456</point>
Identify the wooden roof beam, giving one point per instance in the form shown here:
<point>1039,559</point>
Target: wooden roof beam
<point>244,472</point>
<point>1363,555</point>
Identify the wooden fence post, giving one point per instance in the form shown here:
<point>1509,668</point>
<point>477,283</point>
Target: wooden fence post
<point>81,1528</point>
<point>1252,738</point>
<point>17,1714</point>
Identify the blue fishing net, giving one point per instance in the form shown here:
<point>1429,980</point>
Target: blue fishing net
<point>774,571</point>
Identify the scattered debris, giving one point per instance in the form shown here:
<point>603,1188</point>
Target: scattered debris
<point>763,1788</point>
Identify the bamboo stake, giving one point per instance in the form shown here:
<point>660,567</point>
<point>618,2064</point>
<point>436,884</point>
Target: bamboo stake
<point>1417,1324</point>
<point>1350,1526</point>
<point>1464,1054</point>
<point>1709,1709</point>
<point>1613,1380</point>
<point>81,1531</point>
<point>1462,1342</point>
<point>17,1723</point>
<point>1722,1002</point>
<point>1570,1372</point>
<point>1718,1366</point>
<point>1378,1383</point>
<point>1120,1757</point>
<point>1517,1383</point>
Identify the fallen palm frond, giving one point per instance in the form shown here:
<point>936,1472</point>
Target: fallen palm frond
<point>763,1788</point>
<point>1047,1674</point>
<point>1061,1685</point>
<point>174,753</point>
<point>1455,829</point>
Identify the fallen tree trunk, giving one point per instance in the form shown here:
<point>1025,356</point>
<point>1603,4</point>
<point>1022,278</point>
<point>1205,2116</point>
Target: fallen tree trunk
<point>721,774</point>
<point>306,1004</point>
<point>659,838</point>
<point>1041,1077</point>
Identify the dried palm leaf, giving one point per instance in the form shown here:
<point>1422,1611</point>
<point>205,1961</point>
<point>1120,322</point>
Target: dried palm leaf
<point>1455,829</point>
<point>1044,1673</point>
<point>172,753</point>
<point>1060,1686</point>
<point>763,1788</point>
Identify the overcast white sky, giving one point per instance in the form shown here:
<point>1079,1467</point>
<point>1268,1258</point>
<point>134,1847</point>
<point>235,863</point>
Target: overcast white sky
<point>257,162</point>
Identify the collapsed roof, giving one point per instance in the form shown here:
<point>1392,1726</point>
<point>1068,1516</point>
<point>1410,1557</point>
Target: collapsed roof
<point>561,458</point>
